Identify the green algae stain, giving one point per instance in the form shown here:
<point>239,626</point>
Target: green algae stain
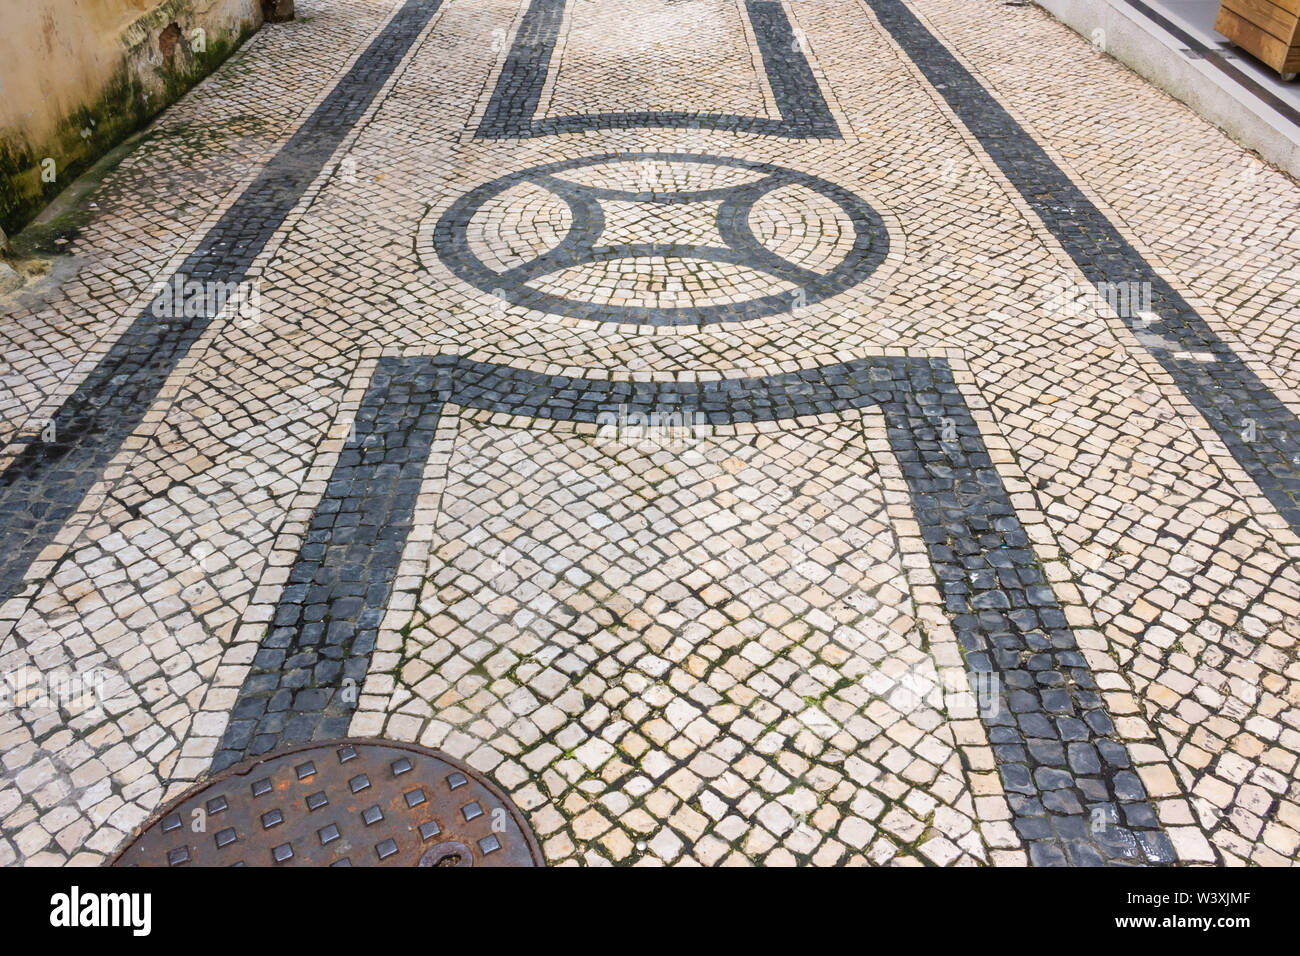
<point>125,106</point>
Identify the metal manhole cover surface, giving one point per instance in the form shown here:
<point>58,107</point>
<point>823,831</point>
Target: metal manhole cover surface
<point>344,803</point>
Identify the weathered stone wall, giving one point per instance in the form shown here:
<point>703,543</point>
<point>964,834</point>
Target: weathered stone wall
<point>77,76</point>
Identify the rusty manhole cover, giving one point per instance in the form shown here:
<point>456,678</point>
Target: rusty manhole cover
<point>346,803</point>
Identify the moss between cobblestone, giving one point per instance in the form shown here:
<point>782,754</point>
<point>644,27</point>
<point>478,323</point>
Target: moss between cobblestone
<point>50,234</point>
<point>62,219</point>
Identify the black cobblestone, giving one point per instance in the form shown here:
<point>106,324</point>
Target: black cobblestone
<point>579,246</point>
<point>46,481</point>
<point>512,111</point>
<point>1225,391</point>
<point>976,546</point>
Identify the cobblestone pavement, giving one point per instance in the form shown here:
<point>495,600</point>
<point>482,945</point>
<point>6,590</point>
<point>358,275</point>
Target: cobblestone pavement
<point>748,431</point>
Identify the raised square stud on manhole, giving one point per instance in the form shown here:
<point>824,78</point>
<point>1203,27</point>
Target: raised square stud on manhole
<point>343,862</point>
<point>429,830</point>
<point>407,789</point>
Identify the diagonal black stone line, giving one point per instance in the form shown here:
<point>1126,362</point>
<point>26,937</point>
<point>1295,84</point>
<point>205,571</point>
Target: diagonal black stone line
<point>1225,391</point>
<point>798,97</point>
<point>1073,792</point>
<point>511,112</point>
<point>518,91</point>
<point>46,481</point>
<point>1069,780</point>
<point>312,662</point>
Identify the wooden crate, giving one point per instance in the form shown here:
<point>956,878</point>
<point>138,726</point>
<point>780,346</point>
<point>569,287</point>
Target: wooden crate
<point>1267,29</point>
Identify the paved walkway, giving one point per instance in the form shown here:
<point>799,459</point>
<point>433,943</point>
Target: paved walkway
<point>749,431</point>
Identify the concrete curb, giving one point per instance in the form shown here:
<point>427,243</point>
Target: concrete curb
<point>1156,55</point>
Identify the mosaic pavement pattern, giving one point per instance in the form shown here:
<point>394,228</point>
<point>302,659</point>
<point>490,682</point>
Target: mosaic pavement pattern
<point>750,432</point>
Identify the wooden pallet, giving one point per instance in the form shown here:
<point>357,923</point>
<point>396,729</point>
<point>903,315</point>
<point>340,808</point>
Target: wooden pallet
<point>1269,30</point>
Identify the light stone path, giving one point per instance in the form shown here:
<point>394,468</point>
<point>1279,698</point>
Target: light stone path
<point>751,432</point>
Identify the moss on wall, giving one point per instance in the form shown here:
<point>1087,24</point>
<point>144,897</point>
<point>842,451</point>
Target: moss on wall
<point>137,91</point>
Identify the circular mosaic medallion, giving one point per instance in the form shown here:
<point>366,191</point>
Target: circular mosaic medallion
<point>348,803</point>
<point>661,238</point>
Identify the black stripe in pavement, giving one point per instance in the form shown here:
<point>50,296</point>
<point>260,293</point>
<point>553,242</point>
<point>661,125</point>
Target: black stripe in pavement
<point>311,664</point>
<point>511,112</point>
<point>1070,784</point>
<point>46,481</point>
<point>1231,397</point>
<point>798,98</point>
